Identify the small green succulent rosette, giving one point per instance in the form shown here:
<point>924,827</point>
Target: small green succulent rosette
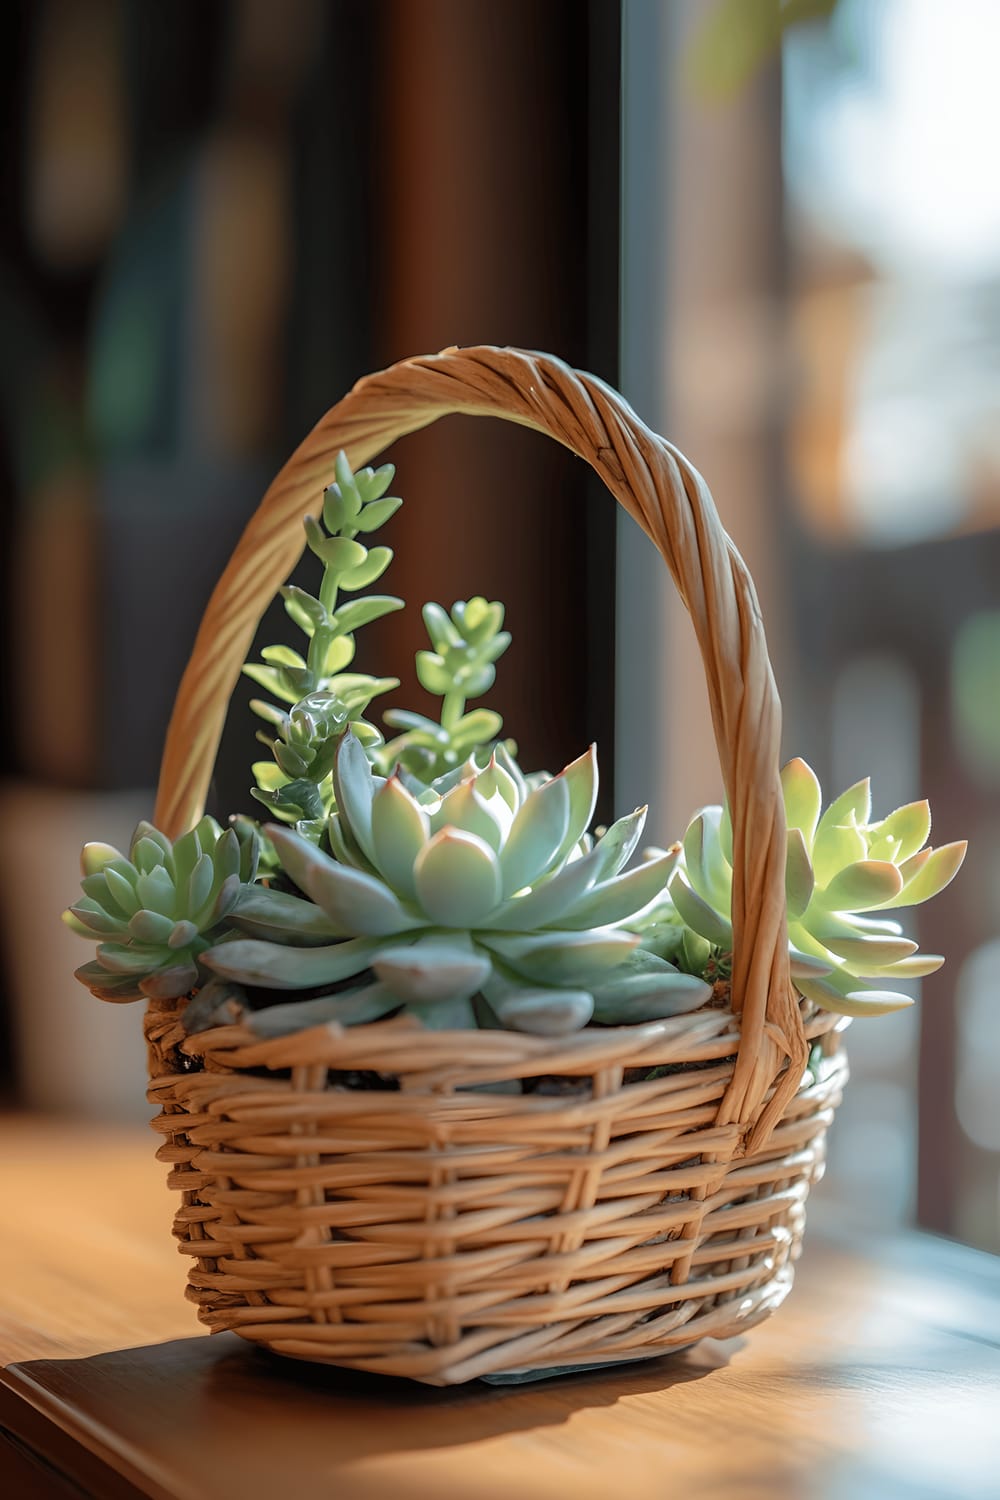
<point>476,899</point>
<point>156,912</point>
<point>846,876</point>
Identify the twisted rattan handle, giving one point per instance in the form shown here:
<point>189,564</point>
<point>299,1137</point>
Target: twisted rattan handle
<point>671,502</point>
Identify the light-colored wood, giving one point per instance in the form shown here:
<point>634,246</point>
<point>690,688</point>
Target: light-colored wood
<point>880,1379</point>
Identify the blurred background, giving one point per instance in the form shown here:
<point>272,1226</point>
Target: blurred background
<point>775,226</point>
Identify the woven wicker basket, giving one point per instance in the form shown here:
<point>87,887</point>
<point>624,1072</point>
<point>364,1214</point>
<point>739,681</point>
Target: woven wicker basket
<point>443,1234</point>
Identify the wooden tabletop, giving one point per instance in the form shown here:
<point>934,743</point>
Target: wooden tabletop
<point>879,1379</point>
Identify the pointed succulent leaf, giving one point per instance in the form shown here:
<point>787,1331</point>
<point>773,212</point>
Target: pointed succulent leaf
<point>183,934</point>
<point>799,881</point>
<point>156,892</point>
<point>355,789</point>
<point>350,1008</point>
<point>465,808</point>
<point>860,886</point>
<point>280,917</point>
<point>277,967</point>
<point>836,846</point>
<point>916,967</point>
<point>902,833</point>
<point>581,778</point>
<point>121,891</point>
<point>861,953</point>
<point>562,957</point>
<point>150,927</point>
<point>400,829</point>
<point>90,921</point>
<point>622,897</point>
<point>344,847</point>
<point>854,1002</point>
<point>458,879</point>
<point>699,915</point>
<point>223,901</point>
<point>147,855</point>
<point>356,902</point>
<point>217,1003</point>
<point>704,862</point>
<point>546,904</point>
<point>119,988</point>
<point>357,612</point>
<point>616,847</point>
<point>200,884</point>
<point>376,513</point>
<point>94,856</point>
<point>805,966</point>
<point>122,959</point>
<point>930,874</point>
<point>852,809</point>
<point>536,835</point>
<point>803,797</point>
<point>435,968</point>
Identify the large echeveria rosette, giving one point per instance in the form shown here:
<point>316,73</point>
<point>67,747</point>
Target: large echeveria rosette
<point>476,899</point>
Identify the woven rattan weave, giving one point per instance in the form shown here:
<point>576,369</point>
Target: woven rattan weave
<point>373,1197</point>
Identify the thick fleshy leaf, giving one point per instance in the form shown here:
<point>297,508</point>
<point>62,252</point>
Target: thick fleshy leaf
<point>622,897</point>
<point>581,778</point>
<point>400,829</point>
<point>649,997</point>
<point>156,892</point>
<point>805,966</point>
<point>458,879</point>
<point>147,855</point>
<point>917,967</point>
<point>358,903</point>
<point>150,927</point>
<point>799,881</point>
<point>466,809</point>
<point>699,915</point>
<point>94,856</point>
<point>544,1011</point>
<point>705,864</point>
<point>275,966</point>
<point>861,886</point>
<point>445,1015</point>
<point>902,833</point>
<point>536,835</point>
<point>366,572</point>
<point>356,1007</point>
<point>855,1002</point>
<point>568,958</point>
<point>861,953</point>
<point>279,917</point>
<point>932,871</point>
<point>803,797</point>
<point>835,848</point>
<point>170,983</point>
<point>121,891</point>
<point>120,959</point>
<point>344,846</point>
<point>199,886</point>
<point>494,782</point>
<point>852,809</point>
<point>87,918</point>
<point>217,1003</point>
<point>355,789</point>
<point>183,934</point>
<point>432,969</point>
<point>547,903</point>
<point>226,855</point>
<point>118,988</point>
<point>618,844</point>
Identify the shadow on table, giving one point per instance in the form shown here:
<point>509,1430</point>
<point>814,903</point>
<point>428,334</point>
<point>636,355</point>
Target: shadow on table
<point>222,1393</point>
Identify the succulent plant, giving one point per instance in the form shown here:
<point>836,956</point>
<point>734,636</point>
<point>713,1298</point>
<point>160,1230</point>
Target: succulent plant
<point>845,875</point>
<point>324,697</point>
<point>466,643</point>
<point>156,912</point>
<point>476,899</point>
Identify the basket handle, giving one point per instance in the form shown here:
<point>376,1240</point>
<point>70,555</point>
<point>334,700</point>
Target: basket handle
<point>671,502</point>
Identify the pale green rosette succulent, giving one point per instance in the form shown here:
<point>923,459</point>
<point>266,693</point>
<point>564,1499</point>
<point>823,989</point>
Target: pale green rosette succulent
<point>155,913</point>
<point>478,899</point>
<point>845,876</point>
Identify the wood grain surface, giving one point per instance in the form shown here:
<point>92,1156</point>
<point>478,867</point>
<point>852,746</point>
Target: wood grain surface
<point>878,1379</point>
